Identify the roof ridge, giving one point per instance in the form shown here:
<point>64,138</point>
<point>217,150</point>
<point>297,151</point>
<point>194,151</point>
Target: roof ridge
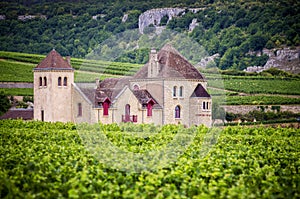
<point>54,60</point>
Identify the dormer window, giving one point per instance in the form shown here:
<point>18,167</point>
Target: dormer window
<point>149,108</point>
<point>105,106</point>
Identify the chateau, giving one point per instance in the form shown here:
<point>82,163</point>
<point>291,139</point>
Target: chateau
<point>166,90</point>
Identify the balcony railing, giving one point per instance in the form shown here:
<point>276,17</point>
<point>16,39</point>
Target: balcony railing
<point>129,118</point>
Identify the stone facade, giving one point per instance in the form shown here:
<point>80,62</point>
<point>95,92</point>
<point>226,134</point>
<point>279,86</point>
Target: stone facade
<point>52,101</point>
<point>167,90</point>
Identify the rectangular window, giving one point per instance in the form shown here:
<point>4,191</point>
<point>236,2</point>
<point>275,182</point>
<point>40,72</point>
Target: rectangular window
<point>203,105</point>
<point>42,115</point>
<point>79,110</point>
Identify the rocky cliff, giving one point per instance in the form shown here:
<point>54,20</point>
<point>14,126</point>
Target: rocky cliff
<point>154,16</point>
<point>287,59</point>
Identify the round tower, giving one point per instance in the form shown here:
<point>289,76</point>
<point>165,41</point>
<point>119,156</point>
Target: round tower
<point>53,79</point>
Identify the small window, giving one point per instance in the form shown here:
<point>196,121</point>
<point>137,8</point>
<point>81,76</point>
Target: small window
<point>174,91</point>
<point>203,105</point>
<point>181,91</point>
<point>207,105</point>
<point>65,81</point>
<point>79,110</point>
<point>45,81</point>
<point>177,111</point>
<point>59,81</point>
<point>41,81</point>
<point>42,115</point>
<point>136,87</point>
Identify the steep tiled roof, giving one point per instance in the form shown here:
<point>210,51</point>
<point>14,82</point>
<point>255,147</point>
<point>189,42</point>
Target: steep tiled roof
<point>110,88</point>
<point>25,114</point>
<point>200,92</point>
<point>144,97</point>
<point>53,61</point>
<point>172,65</point>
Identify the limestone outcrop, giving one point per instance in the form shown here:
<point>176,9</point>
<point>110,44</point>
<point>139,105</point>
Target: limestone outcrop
<point>154,16</point>
<point>287,59</point>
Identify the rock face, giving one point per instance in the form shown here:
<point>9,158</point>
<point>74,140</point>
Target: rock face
<point>286,59</point>
<point>155,15</point>
<point>206,61</point>
<point>193,25</point>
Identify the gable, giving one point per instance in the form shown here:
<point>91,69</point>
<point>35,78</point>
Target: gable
<point>54,61</point>
<point>200,91</point>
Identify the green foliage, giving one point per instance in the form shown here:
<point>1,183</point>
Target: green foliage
<point>263,116</point>
<point>49,160</point>
<point>18,91</point>
<point>4,103</point>
<point>254,85</point>
<point>228,28</point>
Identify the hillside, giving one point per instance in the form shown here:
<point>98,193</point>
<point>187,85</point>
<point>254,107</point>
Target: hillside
<point>230,29</point>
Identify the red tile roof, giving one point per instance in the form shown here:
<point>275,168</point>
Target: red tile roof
<point>172,64</point>
<point>25,114</point>
<point>53,61</point>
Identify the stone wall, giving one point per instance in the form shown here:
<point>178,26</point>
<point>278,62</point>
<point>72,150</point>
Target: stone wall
<point>54,100</point>
<point>243,109</point>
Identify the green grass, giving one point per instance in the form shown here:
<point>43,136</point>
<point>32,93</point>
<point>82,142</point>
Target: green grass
<point>11,71</point>
<point>288,86</point>
<point>18,91</point>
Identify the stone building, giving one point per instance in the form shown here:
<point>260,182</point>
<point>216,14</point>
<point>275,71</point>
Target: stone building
<point>168,89</point>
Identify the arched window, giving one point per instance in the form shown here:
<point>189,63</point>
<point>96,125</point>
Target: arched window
<point>59,81</point>
<point>41,81</point>
<point>181,91</point>
<point>207,105</point>
<point>79,110</point>
<point>45,81</point>
<point>65,81</point>
<point>106,104</point>
<point>177,111</point>
<point>136,87</point>
<point>174,91</point>
<point>203,105</point>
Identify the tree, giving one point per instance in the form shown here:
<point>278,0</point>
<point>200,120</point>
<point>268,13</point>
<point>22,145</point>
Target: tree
<point>4,103</point>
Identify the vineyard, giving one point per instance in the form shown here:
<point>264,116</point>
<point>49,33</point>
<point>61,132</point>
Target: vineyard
<point>50,160</point>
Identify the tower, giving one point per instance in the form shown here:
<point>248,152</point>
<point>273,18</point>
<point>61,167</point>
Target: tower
<point>53,78</point>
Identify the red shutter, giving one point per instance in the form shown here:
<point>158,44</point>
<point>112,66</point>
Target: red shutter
<point>105,107</point>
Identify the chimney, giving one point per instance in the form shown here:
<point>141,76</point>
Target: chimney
<point>97,82</point>
<point>153,68</point>
<point>68,59</point>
